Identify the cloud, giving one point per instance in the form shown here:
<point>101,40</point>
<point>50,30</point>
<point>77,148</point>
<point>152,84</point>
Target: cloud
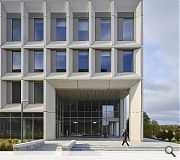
<point>161,60</point>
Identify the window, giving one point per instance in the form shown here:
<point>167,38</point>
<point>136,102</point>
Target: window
<point>38,61</point>
<point>38,29</point>
<point>38,92</point>
<point>16,61</point>
<point>16,29</point>
<point>16,92</point>
<point>61,61</point>
<point>61,29</point>
<point>128,61</point>
<point>105,61</point>
<point>128,33</point>
<point>83,29</point>
<point>83,61</point>
<point>105,30</point>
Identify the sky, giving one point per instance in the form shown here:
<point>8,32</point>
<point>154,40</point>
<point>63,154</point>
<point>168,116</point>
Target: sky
<point>161,60</point>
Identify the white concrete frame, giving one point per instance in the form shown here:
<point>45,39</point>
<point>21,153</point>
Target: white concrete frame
<point>91,80</point>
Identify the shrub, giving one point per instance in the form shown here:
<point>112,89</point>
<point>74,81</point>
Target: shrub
<point>7,145</point>
<point>177,136</point>
<point>163,135</point>
<point>170,135</point>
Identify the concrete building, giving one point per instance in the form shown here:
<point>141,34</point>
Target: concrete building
<point>75,61</point>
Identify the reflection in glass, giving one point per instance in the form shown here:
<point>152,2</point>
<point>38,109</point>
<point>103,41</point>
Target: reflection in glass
<point>16,61</point>
<point>61,29</point>
<point>61,61</point>
<point>105,61</point>
<point>16,92</point>
<point>128,61</point>
<point>38,92</point>
<point>128,33</point>
<point>105,30</point>
<point>16,29</point>
<point>83,29</point>
<point>83,61</point>
<point>38,61</point>
<point>38,29</point>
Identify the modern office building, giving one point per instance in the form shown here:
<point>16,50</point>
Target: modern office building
<point>75,61</point>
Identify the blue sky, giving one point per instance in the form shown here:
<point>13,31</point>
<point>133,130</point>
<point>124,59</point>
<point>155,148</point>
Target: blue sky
<point>161,60</point>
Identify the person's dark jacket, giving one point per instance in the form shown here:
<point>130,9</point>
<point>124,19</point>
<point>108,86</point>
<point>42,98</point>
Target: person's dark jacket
<point>125,135</point>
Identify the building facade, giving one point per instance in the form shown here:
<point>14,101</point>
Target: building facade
<point>75,61</point>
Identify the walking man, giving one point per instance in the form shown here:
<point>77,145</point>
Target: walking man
<point>125,137</point>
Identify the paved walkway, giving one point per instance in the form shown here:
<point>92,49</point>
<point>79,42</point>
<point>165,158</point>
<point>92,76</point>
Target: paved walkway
<point>103,144</point>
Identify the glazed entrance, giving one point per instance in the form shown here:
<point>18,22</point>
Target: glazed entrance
<point>87,118</point>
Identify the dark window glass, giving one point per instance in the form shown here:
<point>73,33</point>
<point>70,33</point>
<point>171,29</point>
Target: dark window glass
<point>4,128</point>
<point>27,122</point>
<point>38,29</point>
<point>38,61</point>
<point>38,128</point>
<point>61,61</point>
<point>61,29</point>
<point>16,61</point>
<point>128,29</point>
<point>105,61</point>
<point>127,61</point>
<point>16,29</point>
<point>83,61</point>
<point>83,29</point>
<point>16,92</point>
<point>105,30</point>
<point>16,128</point>
<point>38,92</point>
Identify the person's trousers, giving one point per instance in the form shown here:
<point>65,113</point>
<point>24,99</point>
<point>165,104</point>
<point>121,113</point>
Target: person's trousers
<point>125,141</point>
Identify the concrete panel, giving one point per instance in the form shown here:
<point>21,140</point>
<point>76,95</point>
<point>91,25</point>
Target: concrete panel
<point>75,60</point>
<point>3,60</point>
<point>93,84</point>
<point>9,29</point>
<point>9,61</point>
<point>2,24</point>
<point>69,61</point>
<point>63,84</point>
<point>136,113</point>
<point>24,23</point>
<point>31,29</point>
<point>119,29</point>
<point>47,61</point>
<point>120,61</point>
<point>122,117</point>
<point>138,62</point>
<point>138,25</point>
<point>91,61</point>
<point>98,61</point>
<point>113,61</point>
<point>53,29</point>
<point>31,61</point>
<point>25,91</point>
<point>75,29</point>
<point>98,28</point>
<point>53,61</point>
<point>9,92</point>
<point>31,92</point>
<point>91,23</point>
<point>24,61</point>
<point>3,93</point>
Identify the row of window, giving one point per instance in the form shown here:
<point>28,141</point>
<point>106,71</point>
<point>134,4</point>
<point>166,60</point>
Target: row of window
<point>80,61</point>
<point>16,92</point>
<point>103,30</point>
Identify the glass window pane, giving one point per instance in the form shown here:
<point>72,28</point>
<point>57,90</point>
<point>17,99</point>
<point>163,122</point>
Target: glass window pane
<point>83,61</point>
<point>61,61</point>
<point>61,29</point>
<point>16,61</point>
<point>105,29</point>
<point>128,30</point>
<point>16,29</point>
<point>38,92</point>
<point>38,61</point>
<point>38,29</point>
<point>16,128</point>
<point>4,128</point>
<point>105,61</point>
<point>16,92</point>
<point>27,123</point>
<point>127,61</point>
<point>38,128</point>
<point>83,29</point>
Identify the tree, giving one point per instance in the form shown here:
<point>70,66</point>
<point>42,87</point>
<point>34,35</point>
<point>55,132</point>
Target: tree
<point>163,135</point>
<point>147,126</point>
<point>170,135</point>
<point>155,128</point>
<point>177,136</point>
